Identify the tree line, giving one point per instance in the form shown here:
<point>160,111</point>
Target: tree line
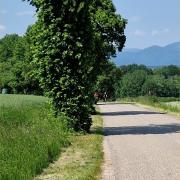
<point>138,80</point>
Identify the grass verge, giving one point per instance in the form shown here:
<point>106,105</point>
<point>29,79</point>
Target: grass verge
<point>30,138</point>
<point>163,104</point>
<point>82,160</point>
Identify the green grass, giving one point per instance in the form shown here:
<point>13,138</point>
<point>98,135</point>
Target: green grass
<point>168,104</point>
<point>82,160</point>
<point>30,138</point>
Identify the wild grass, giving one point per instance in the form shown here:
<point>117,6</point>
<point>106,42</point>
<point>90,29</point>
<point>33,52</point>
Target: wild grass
<point>82,160</point>
<point>30,137</point>
<point>168,104</point>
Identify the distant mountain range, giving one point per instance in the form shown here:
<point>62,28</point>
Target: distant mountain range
<point>152,56</point>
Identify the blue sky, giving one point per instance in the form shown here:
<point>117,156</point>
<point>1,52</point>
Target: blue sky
<point>15,16</point>
<point>150,22</point>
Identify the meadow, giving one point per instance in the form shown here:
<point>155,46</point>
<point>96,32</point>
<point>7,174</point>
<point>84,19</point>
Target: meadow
<point>82,160</point>
<point>30,137</point>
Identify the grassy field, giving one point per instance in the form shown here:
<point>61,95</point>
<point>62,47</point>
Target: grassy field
<point>30,138</point>
<point>175,104</point>
<point>82,160</point>
<point>171,105</point>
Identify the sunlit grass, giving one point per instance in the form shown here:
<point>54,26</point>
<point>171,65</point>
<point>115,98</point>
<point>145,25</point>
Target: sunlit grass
<point>82,160</point>
<point>168,104</point>
<point>30,137</point>
<point>174,104</point>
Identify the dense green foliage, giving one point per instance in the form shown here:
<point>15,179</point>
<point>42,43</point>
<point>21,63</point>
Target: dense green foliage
<point>151,82</point>
<point>134,67</point>
<point>15,68</point>
<point>71,40</point>
<point>30,137</point>
<point>167,71</point>
<point>139,80</point>
<point>107,80</point>
<point>131,83</point>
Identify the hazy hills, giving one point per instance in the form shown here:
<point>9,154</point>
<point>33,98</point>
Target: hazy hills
<point>152,56</point>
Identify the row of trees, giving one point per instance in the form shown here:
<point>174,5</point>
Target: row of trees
<point>139,80</point>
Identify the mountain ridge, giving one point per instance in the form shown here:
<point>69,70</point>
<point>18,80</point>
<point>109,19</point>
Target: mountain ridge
<point>150,56</point>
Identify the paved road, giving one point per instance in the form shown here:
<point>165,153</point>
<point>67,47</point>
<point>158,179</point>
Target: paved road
<point>140,144</point>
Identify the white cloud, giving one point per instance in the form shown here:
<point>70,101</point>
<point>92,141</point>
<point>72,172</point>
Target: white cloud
<point>166,30</point>
<point>135,19</point>
<point>154,32</point>
<point>2,28</point>
<point>160,32</point>
<point>139,33</point>
<point>3,12</point>
<point>25,13</point>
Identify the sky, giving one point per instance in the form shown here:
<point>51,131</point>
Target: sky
<point>150,22</point>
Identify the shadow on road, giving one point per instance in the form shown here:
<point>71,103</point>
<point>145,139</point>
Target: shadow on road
<point>113,103</point>
<point>142,130</point>
<point>124,113</point>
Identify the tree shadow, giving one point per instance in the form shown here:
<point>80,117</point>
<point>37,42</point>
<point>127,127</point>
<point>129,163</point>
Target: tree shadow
<point>143,130</point>
<point>97,130</point>
<point>126,113</point>
<point>113,103</point>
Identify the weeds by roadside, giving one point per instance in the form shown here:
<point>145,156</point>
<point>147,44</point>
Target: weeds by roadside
<point>156,102</point>
<point>82,160</point>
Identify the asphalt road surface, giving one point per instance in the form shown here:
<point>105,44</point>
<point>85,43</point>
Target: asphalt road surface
<point>140,144</point>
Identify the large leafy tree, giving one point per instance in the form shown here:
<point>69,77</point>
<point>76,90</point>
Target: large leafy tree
<point>72,38</point>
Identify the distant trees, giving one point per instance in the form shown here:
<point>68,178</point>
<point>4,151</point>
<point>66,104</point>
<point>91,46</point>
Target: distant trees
<point>159,86</point>
<point>131,84</point>
<point>134,67</point>
<point>168,71</point>
<point>15,68</point>
<point>108,80</point>
<point>138,80</point>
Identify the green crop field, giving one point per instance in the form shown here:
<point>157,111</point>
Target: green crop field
<point>30,138</point>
